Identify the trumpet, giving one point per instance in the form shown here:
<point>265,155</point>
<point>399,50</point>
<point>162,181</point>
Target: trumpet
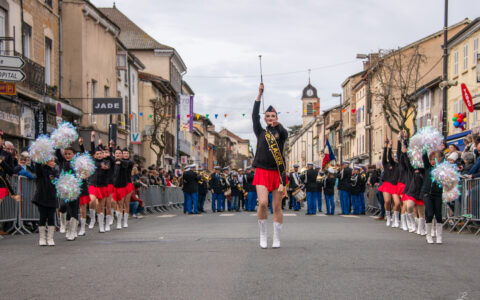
<point>320,177</point>
<point>205,177</point>
<point>240,187</point>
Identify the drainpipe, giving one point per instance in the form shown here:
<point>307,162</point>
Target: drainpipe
<point>129,105</point>
<point>60,53</point>
<point>21,29</point>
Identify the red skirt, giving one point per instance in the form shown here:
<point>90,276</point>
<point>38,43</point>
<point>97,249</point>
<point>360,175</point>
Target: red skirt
<point>268,178</point>
<point>99,192</point>
<point>119,193</point>
<point>387,187</point>
<point>3,193</point>
<point>130,187</point>
<point>84,200</point>
<point>111,189</point>
<point>400,188</point>
<point>417,202</point>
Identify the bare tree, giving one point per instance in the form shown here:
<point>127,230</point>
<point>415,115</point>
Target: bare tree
<point>160,122</point>
<point>397,76</point>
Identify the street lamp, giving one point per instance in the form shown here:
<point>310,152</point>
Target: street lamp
<point>340,139</point>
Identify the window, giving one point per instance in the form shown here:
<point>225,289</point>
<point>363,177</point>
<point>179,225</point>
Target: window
<point>475,118</point>
<point>106,91</point>
<point>121,61</point>
<point>3,29</point>
<point>455,107</point>
<point>309,109</point>
<point>26,39</point>
<point>475,50</point>
<point>93,94</point>
<point>421,106</point>
<point>465,56</point>
<point>427,100</point>
<point>49,2</point>
<point>455,63</point>
<point>133,83</point>
<point>48,61</point>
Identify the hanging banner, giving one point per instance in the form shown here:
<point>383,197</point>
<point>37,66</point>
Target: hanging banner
<point>107,106</point>
<point>186,112</point>
<point>467,98</point>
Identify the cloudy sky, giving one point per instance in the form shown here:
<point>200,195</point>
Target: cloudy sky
<point>220,41</point>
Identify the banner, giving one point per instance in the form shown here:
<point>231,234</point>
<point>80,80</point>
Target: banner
<point>467,98</point>
<point>186,112</point>
<point>107,106</point>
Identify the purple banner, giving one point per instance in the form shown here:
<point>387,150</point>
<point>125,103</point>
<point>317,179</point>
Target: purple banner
<point>191,113</point>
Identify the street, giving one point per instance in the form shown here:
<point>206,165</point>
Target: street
<point>216,256</point>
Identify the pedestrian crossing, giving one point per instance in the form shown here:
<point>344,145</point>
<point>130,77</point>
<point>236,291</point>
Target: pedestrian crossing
<point>255,215</point>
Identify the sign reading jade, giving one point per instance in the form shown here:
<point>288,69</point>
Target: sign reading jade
<point>107,106</point>
<point>467,98</point>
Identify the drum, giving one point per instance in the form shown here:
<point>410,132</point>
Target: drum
<point>228,192</point>
<point>299,195</point>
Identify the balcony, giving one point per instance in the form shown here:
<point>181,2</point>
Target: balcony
<point>35,76</point>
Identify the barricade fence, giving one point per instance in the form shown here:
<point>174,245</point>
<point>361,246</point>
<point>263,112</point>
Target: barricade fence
<point>155,198</point>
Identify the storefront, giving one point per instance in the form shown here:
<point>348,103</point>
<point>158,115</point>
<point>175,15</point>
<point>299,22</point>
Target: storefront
<point>457,139</point>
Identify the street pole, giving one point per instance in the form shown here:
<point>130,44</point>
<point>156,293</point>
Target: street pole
<point>445,72</point>
<point>341,130</point>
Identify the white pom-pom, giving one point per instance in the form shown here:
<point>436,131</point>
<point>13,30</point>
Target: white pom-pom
<point>83,165</point>
<point>446,175</point>
<point>42,149</point>
<point>68,186</point>
<point>451,195</point>
<point>64,135</point>
<point>426,139</point>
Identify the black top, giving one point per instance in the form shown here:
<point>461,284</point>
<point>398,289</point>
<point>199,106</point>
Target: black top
<point>203,188</point>
<point>429,186</point>
<point>320,183</point>
<point>248,185</point>
<point>99,178</point>
<point>45,193</point>
<point>414,183</point>
<point>402,171</point>
<point>374,177</point>
<point>344,183</point>
<point>364,179</point>
<point>190,182</point>
<point>310,179</point>
<point>329,185</point>
<point>263,157</point>
<point>217,184</point>
<point>389,167</point>
<point>291,180</point>
<point>120,173</point>
<point>356,182</point>
<point>234,186</point>
<point>6,166</point>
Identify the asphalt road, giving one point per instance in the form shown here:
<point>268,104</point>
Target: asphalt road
<point>216,256</point>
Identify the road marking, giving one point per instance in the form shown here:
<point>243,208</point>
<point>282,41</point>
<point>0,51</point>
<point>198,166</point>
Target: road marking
<point>373,217</point>
<point>253,215</point>
<point>166,216</point>
<point>289,215</point>
<point>226,215</point>
<point>321,215</point>
<point>350,216</point>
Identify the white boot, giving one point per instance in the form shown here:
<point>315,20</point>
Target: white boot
<point>125,220</point>
<point>434,225</point>
<point>111,218</point>
<point>101,227</point>
<point>119,219</point>
<point>92,219</point>
<point>404,222</point>
<point>43,236</point>
<point>439,233</point>
<point>82,227</point>
<point>263,233</point>
<point>429,233</point>
<point>70,235</point>
<point>389,218</point>
<point>75,228</point>
<point>417,221</point>
<point>51,231</point>
<point>63,222</point>
<point>277,228</point>
<point>107,223</point>
<point>413,224</point>
<point>396,219</point>
<point>421,226</point>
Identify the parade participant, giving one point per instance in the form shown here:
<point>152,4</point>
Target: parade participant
<point>432,196</point>
<point>6,169</point>
<point>344,186</point>
<point>401,174</point>
<point>376,180</point>
<point>130,186</point>
<point>364,176</point>
<point>250,189</point>
<point>355,190</point>
<point>318,193</point>
<point>329,191</point>
<point>92,206</point>
<point>84,195</point>
<point>236,191</point>
<point>240,180</point>
<point>110,204</point>
<point>98,188</point>
<point>388,187</point>
<point>228,178</point>
<point>412,196</point>
<point>120,172</point>
<point>217,185</point>
<point>294,183</point>
<point>190,189</point>
<point>202,192</point>
<point>270,167</point>
<point>45,199</point>
<point>310,179</point>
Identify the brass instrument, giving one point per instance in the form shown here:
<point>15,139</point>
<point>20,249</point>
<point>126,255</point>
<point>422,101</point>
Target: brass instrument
<point>240,187</point>
<point>205,177</point>
<point>320,177</point>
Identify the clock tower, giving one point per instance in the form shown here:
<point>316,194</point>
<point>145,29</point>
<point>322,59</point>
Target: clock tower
<point>310,104</point>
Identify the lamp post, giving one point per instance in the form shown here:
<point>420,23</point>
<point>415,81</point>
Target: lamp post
<point>445,72</point>
<point>340,138</point>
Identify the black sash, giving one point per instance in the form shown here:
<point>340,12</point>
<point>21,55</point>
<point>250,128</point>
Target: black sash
<point>277,154</point>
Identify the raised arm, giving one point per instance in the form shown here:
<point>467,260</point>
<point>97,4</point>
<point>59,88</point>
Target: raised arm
<point>257,126</point>
<point>426,161</point>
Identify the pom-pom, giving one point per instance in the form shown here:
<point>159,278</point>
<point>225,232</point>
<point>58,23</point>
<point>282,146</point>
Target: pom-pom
<point>68,186</point>
<point>83,165</point>
<point>64,135</point>
<point>426,139</point>
<point>451,195</point>
<point>446,175</point>
<point>42,149</point>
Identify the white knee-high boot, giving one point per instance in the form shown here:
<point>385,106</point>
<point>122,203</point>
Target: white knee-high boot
<point>101,228</point>
<point>43,236</point>
<point>413,224</point>
<point>108,221</point>
<point>429,233</point>
<point>92,219</point>
<point>421,226</point>
<point>82,227</point>
<point>125,220</point>
<point>63,222</point>
<point>439,231</point>
<point>51,231</point>
<point>396,219</point>
<point>263,233</point>
<point>403,222</point>
<point>434,225</point>
<point>277,228</point>
<point>119,219</point>
<point>388,214</point>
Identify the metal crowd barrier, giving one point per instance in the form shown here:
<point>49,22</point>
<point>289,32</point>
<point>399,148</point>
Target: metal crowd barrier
<point>9,208</point>
<point>159,198</point>
<point>464,213</point>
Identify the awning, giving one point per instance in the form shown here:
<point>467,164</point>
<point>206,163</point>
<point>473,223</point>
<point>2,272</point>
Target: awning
<point>65,106</point>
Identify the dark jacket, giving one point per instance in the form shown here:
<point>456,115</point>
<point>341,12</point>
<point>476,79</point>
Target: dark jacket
<point>429,186</point>
<point>401,170</point>
<point>310,179</point>
<point>363,181</point>
<point>120,173</point>
<point>6,166</point>
<point>203,188</point>
<point>190,182</point>
<point>329,185</point>
<point>45,193</point>
<point>234,186</point>
<point>217,184</point>
<point>263,157</point>
<point>344,182</point>
<point>100,177</point>
<point>389,167</point>
<point>413,186</point>
<point>356,185</point>
<point>248,185</point>
<point>320,183</point>
<point>291,180</point>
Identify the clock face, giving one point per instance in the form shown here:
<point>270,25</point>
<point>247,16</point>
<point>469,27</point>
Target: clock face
<point>309,92</point>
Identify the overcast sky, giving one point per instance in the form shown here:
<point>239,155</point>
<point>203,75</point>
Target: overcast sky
<point>220,41</point>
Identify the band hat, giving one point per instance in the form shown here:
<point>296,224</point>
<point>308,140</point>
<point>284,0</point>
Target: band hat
<point>271,109</point>
<point>331,170</point>
<point>317,167</point>
<point>217,168</point>
<point>296,166</point>
<point>226,168</point>
<point>345,162</point>
<point>309,164</point>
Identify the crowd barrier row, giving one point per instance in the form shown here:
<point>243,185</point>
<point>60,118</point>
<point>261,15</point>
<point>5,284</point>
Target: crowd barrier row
<point>156,198</point>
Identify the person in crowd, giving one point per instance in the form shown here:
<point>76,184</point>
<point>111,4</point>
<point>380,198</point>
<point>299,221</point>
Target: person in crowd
<point>319,179</point>
<point>355,190</point>
<point>136,204</point>
<point>468,159</point>
<point>310,179</point>
<point>22,167</point>
<point>329,191</point>
<point>295,182</point>
<point>344,187</point>
<point>388,187</point>
<point>227,176</point>
<point>469,144</point>
<point>144,178</point>
<point>453,157</point>
<point>236,191</point>
<point>202,191</point>
<point>7,166</point>
<point>190,189</point>
<point>364,176</point>
<point>218,186</point>
<point>45,199</point>
<point>268,178</point>
<point>375,181</point>
<point>241,176</point>
<point>250,189</point>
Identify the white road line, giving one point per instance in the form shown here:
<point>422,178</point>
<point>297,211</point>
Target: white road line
<point>253,215</point>
<point>166,216</point>
<point>226,215</point>
<point>350,216</point>
<point>289,215</point>
<point>321,215</point>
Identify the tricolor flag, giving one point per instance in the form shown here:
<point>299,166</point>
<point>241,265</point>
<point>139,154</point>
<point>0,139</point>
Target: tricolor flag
<point>329,156</point>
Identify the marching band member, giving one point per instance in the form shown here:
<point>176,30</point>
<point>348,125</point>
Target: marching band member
<point>130,186</point>
<point>228,178</point>
<point>202,192</point>
<point>250,189</point>
<point>344,186</point>
<point>329,191</point>
<point>98,188</point>
<point>388,187</point>
<point>365,176</point>
<point>234,185</point>
<point>190,189</point>
<point>294,183</point>
<point>318,193</point>
<point>241,178</point>
<point>310,179</point>
<point>217,186</point>
<point>269,164</point>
